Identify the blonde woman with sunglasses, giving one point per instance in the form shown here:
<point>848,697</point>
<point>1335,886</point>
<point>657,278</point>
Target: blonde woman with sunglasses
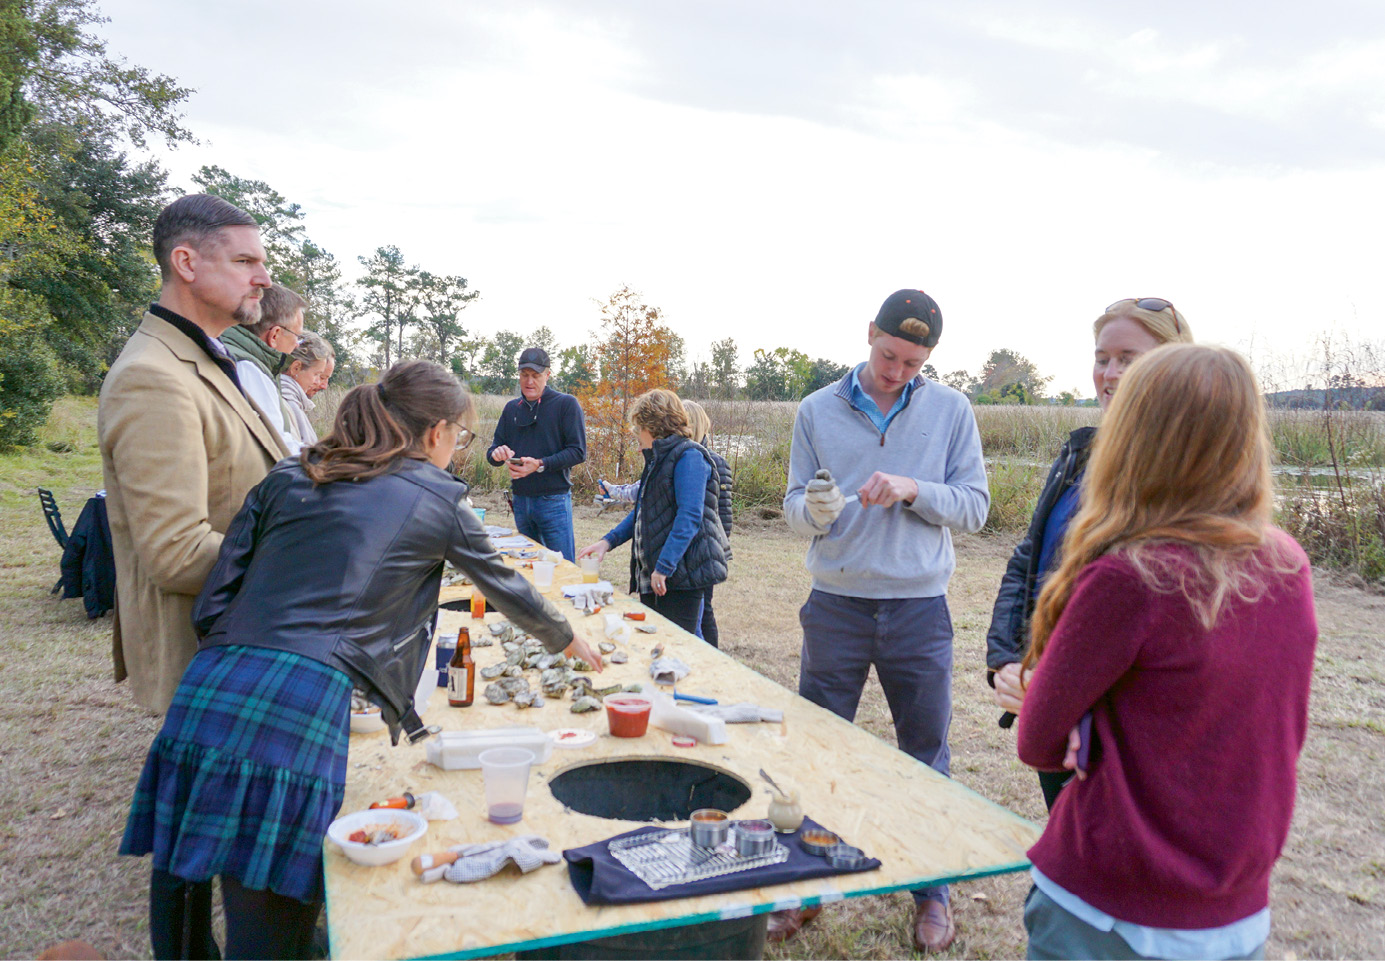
<point>1124,331</point>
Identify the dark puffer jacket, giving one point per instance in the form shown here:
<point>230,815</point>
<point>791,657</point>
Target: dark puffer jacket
<point>703,564</point>
<point>723,475</point>
<point>348,574</point>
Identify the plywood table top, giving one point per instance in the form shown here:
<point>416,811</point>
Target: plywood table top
<point>924,828</point>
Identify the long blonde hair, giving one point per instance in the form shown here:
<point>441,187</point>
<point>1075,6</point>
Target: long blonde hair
<point>1183,456</point>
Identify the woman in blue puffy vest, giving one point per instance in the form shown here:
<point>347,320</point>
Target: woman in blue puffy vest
<point>679,548</point>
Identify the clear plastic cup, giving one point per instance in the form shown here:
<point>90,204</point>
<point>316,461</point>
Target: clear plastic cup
<point>481,514</point>
<point>591,569</point>
<point>543,574</point>
<point>506,774</point>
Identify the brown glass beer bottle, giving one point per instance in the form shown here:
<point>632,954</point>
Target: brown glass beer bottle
<point>461,672</point>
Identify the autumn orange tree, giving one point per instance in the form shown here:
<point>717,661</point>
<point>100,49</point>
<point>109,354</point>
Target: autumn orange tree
<point>635,352</point>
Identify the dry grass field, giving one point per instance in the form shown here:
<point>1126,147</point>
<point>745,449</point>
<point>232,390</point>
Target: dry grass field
<point>71,743</point>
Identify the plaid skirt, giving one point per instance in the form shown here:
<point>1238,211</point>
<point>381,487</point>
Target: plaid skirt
<point>247,772</point>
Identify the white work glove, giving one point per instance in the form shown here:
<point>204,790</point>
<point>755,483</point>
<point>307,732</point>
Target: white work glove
<point>823,499</point>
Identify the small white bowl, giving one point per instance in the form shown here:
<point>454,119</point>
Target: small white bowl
<point>375,854</point>
<point>364,722</point>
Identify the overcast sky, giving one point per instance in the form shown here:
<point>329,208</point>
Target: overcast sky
<point>771,171</point>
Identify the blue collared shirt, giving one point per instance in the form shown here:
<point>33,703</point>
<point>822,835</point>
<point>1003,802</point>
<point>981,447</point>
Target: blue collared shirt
<point>862,401</point>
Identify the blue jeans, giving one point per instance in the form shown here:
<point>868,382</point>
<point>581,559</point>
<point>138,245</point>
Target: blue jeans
<point>909,640</point>
<point>547,518</point>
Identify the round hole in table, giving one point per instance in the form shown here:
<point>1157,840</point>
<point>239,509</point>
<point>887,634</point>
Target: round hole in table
<point>647,788</point>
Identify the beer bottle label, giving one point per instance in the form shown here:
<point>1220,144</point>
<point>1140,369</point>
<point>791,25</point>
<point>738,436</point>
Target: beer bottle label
<point>457,682</point>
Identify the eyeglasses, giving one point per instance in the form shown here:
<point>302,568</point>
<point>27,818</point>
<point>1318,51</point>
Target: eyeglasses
<point>297,339</point>
<point>1152,304</point>
<point>464,437</point>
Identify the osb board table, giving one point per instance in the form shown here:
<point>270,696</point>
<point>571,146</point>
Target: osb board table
<point>924,828</point>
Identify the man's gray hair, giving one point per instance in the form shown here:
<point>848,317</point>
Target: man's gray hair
<point>194,221</point>
<point>278,304</point>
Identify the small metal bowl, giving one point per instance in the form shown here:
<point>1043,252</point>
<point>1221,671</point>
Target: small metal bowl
<point>754,838</point>
<point>846,857</point>
<point>819,842</point>
<point>708,827</point>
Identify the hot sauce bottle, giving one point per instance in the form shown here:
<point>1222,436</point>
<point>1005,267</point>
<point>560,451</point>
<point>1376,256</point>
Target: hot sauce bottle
<point>461,673</point>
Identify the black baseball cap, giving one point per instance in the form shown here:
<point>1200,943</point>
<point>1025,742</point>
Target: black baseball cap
<point>534,358</point>
<point>904,304</point>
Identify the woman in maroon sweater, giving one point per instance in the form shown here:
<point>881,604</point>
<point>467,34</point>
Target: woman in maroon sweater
<point>1182,621</point>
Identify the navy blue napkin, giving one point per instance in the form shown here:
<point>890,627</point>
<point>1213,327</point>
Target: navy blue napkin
<point>600,879</point>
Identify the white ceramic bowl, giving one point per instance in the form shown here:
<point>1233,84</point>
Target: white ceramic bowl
<point>374,854</point>
<point>365,722</point>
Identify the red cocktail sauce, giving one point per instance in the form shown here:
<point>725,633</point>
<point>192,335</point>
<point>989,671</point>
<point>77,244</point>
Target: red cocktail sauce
<point>628,716</point>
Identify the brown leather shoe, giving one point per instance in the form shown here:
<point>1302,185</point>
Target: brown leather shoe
<point>785,924</point>
<point>933,928</point>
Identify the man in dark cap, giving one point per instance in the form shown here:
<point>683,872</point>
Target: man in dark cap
<point>540,436</point>
<point>908,450</point>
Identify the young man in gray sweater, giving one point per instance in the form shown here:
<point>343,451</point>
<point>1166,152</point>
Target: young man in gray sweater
<point>908,451</point>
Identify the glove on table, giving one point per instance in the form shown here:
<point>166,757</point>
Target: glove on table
<point>481,861</point>
<point>668,670</point>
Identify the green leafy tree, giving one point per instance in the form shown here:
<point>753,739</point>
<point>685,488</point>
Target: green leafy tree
<point>544,338</point>
<point>72,80</point>
<point>499,363</point>
<point>725,374</point>
<point>441,300</point>
<point>576,373</point>
<point>389,293</point>
<point>98,293</point>
<point>281,222</point>
<point>766,379</point>
<point>823,373</point>
<point>1005,368</point>
<point>32,240</point>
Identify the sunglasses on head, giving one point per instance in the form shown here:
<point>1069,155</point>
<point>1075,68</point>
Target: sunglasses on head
<point>1151,304</point>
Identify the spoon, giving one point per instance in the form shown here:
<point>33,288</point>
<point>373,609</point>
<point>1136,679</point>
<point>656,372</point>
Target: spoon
<point>770,780</point>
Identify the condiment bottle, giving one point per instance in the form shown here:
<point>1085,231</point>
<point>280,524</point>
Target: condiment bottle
<point>478,602</point>
<point>784,812</point>
<point>461,673</point>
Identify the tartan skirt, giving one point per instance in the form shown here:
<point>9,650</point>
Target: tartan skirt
<point>247,772</point>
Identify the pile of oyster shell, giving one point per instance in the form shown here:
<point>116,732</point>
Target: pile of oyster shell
<point>558,674</point>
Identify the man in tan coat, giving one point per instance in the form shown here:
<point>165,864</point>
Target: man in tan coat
<point>181,445</point>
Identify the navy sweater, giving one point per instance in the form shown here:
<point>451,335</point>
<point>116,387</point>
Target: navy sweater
<point>551,429</point>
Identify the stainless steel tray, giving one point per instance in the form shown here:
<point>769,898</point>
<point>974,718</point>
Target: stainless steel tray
<point>664,858</point>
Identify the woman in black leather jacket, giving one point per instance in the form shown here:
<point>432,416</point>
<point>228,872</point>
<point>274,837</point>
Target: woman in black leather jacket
<point>1124,331</point>
<point>327,580</point>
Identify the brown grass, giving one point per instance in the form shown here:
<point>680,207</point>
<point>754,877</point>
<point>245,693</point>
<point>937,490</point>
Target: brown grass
<point>71,744</point>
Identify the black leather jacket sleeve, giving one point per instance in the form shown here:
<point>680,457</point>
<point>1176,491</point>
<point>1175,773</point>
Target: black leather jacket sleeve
<point>505,589</point>
<point>224,581</point>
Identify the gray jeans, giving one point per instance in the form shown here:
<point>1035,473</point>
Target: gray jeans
<point>1055,932</point>
<point>909,640</point>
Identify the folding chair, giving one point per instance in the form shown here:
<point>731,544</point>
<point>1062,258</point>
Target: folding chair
<point>54,517</point>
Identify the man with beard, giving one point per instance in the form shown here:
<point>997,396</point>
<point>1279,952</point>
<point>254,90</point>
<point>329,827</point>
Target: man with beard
<point>180,443</point>
<point>181,446</point>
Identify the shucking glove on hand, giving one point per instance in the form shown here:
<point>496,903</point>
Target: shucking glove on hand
<point>823,498</point>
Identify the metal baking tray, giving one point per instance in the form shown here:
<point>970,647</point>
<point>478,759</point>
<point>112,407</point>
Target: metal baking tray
<point>664,858</point>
